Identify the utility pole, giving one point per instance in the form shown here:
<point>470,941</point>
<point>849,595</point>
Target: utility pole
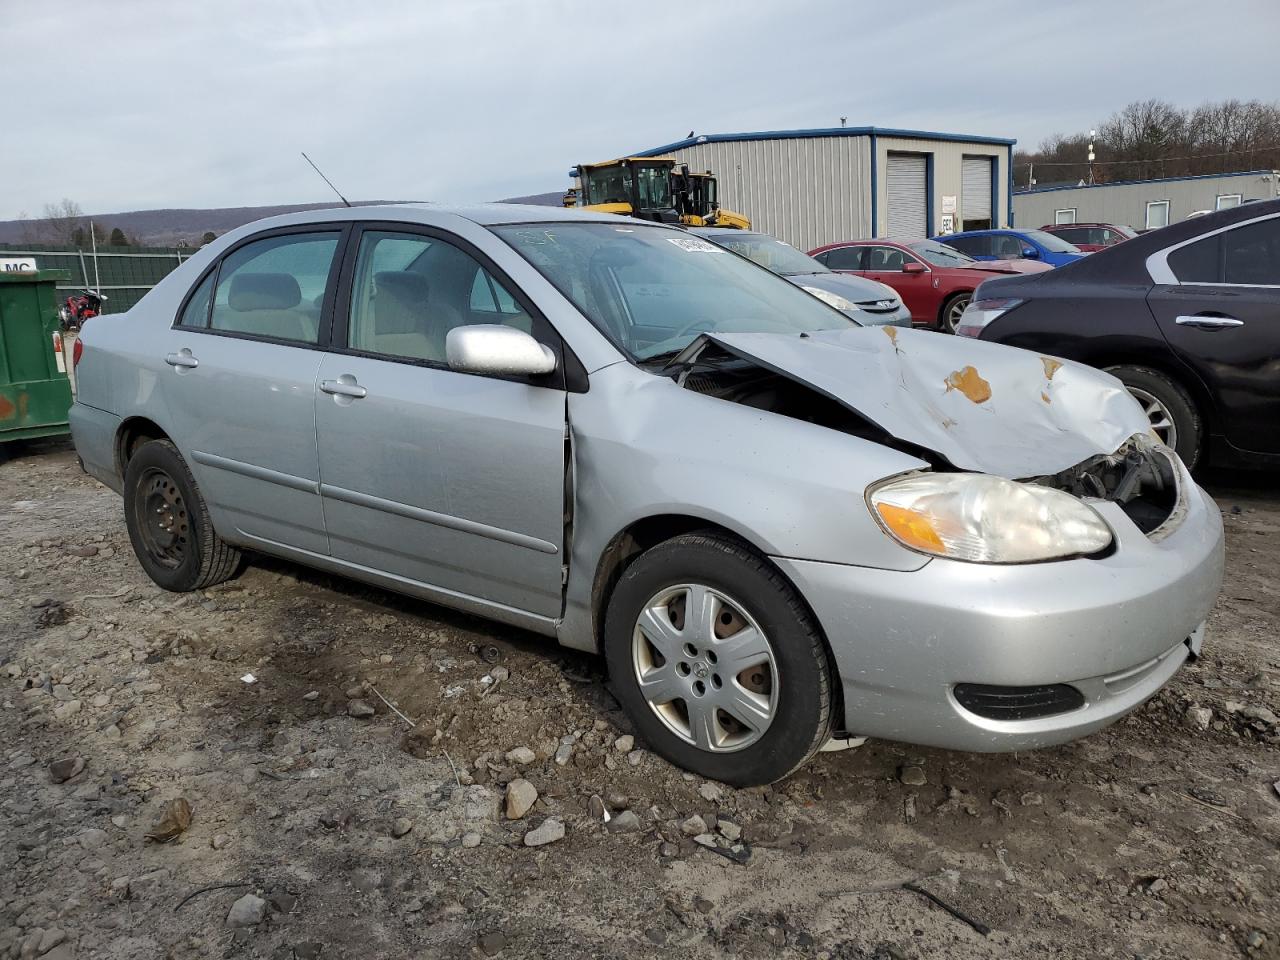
<point>1092,134</point>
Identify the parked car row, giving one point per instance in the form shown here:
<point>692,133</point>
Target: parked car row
<point>1188,317</point>
<point>779,527</point>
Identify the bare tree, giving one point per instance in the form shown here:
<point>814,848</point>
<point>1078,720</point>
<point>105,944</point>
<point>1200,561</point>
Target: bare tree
<point>61,221</point>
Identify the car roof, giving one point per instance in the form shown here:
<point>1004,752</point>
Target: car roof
<point>729,232</point>
<point>1050,227</point>
<point>484,214</point>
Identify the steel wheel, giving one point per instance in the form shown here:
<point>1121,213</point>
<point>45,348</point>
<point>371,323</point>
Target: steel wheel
<point>951,315</point>
<point>165,527</point>
<point>705,668</point>
<point>1159,416</point>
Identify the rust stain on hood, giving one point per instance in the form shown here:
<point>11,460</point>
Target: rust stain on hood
<point>901,381</point>
<point>969,382</point>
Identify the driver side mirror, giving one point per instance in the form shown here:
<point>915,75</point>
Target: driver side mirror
<point>912,266</point>
<point>494,349</point>
<point>1030,253</point>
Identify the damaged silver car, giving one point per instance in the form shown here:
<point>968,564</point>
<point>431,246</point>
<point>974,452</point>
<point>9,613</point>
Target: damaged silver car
<point>778,527</point>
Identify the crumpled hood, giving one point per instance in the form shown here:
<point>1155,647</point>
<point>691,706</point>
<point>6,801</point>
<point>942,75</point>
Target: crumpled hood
<point>983,406</point>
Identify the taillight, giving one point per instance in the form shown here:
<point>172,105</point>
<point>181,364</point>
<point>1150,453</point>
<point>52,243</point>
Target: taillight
<point>76,353</point>
<point>975,318</point>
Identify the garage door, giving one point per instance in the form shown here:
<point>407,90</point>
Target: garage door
<point>975,193</point>
<point>908,196</point>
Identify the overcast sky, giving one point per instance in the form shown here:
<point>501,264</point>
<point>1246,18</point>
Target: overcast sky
<point>133,104</point>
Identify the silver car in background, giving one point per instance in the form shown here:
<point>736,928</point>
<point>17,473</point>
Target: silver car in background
<point>870,302</point>
<point>777,526</point>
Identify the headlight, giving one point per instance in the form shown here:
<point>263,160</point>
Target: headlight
<point>979,313</point>
<point>982,519</point>
<point>831,299</point>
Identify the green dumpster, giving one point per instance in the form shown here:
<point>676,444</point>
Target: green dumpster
<point>35,393</point>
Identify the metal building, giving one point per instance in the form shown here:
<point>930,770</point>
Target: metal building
<point>1142,204</point>
<point>811,187</point>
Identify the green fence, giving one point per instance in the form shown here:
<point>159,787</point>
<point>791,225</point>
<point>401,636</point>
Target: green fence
<point>123,274</point>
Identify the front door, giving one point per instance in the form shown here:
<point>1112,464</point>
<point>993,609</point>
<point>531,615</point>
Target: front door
<point>888,265</point>
<point>451,480</point>
<point>1219,309</point>
<point>239,386</point>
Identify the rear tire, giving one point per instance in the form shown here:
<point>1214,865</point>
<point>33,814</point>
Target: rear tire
<point>949,318</point>
<point>1170,409</point>
<point>169,523</point>
<point>755,654</point>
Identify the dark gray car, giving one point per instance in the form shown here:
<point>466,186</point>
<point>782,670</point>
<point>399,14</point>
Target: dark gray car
<point>870,302</point>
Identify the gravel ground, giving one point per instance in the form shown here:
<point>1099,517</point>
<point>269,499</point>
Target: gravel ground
<point>323,823</point>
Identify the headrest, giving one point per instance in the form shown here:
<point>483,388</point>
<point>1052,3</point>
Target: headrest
<point>263,291</point>
<point>400,302</point>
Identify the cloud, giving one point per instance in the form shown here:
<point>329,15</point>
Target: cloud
<point>209,104</point>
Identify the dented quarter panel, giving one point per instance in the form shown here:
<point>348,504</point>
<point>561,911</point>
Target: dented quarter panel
<point>1002,411</point>
<point>644,446</point>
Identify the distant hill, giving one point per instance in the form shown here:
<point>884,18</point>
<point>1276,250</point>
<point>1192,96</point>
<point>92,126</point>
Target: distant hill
<point>165,228</point>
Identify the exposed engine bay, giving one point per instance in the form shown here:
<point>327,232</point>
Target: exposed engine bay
<point>1139,476</point>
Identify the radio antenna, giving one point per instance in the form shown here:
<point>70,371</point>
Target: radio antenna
<point>344,200</point>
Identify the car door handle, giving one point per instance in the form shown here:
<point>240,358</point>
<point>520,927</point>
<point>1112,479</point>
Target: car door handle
<point>340,388</point>
<point>1208,323</point>
<point>182,358</point>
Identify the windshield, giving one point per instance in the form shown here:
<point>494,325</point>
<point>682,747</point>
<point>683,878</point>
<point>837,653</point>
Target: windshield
<point>605,185</point>
<point>771,253</point>
<point>653,183</point>
<point>1050,242</point>
<point>941,255</point>
<point>653,290</point>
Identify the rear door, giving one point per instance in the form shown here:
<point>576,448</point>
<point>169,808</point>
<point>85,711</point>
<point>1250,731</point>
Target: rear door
<point>1217,301</point>
<point>448,480</point>
<point>240,381</point>
<point>978,247</point>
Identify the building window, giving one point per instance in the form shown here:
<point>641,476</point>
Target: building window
<point>1157,214</point>
<point>1226,201</point>
<point>1065,216</point>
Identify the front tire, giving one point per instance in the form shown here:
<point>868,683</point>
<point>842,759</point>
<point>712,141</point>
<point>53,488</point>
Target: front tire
<point>169,523</point>
<point>955,305</point>
<point>717,662</point>
<point>1169,408</point>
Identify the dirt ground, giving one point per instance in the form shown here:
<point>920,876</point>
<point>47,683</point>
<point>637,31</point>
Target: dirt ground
<point>335,836</point>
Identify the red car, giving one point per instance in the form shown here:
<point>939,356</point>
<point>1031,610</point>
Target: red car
<point>936,282</point>
<point>1091,237</point>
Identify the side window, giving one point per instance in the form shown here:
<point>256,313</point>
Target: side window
<point>275,287</point>
<point>1198,262</point>
<point>1251,254</point>
<point>1007,247</point>
<point>196,313</point>
<point>409,291</point>
<point>973,246</point>
<point>885,258</point>
<point>845,258</point>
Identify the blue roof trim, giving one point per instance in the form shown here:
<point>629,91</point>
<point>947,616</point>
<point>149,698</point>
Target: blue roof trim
<point>1129,183</point>
<point>820,132</point>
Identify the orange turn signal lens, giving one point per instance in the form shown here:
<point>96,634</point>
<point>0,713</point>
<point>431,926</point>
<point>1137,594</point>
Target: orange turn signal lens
<point>912,528</point>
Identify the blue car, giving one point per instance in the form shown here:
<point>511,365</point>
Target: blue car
<point>1013,245</point>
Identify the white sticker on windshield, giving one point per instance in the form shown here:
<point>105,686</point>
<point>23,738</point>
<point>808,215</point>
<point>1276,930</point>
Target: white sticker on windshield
<point>694,245</point>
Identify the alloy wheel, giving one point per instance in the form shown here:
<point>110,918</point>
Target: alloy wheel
<point>951,318</point>
<point>1159,416</point>
<point>705,667</point>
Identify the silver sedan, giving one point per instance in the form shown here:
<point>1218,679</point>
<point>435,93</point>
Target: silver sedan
<point>781,529</point>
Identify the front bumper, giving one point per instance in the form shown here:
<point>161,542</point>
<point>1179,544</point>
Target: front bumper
<point>1116,628</point>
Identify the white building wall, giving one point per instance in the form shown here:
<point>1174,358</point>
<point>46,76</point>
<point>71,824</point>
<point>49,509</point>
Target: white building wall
<point>947,157</point>
<point>1126,203</point>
